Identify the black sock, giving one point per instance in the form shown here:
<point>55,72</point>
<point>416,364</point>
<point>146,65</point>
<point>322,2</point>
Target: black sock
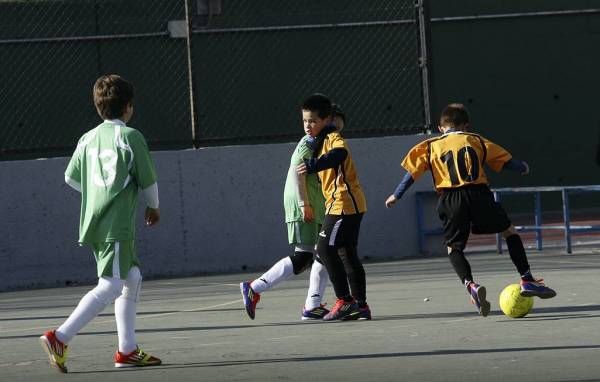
<point>527,276</point>
<point>461,266</point>
<point>517,255</point>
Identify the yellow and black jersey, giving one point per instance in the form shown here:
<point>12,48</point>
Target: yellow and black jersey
<point>340,185</point>
<point>455,159</point>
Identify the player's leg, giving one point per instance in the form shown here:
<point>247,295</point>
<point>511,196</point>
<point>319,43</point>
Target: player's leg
<point>301,235</point>
<point>313,307</point>
<point>529,285</point>
<point>128,353</point>
<point>490,217</point>
<point>350,230</point>
<point>95,301</point>
<point>126,309</point>
<point>453,210</point>
<point>327,247</point>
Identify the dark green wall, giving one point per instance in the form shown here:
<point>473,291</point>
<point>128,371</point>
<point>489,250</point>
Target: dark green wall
<point>248,85</point>
<point>531,84</point>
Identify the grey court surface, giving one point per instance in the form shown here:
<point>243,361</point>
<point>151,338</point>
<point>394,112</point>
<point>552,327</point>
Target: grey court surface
<point>200,330</point>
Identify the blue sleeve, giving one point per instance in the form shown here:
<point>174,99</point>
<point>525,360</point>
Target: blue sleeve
<point>406,182</point>
<point>515,165</point>
<point>332,159</point>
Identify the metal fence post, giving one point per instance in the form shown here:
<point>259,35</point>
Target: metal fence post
<point>424,34</point>
<point>538,219</point>
<point>188,40</point>
<point>566,218</point>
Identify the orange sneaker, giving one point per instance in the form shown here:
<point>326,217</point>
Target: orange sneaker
<point>136,358</point>
<point>343,310</point>
<point>56,350</point>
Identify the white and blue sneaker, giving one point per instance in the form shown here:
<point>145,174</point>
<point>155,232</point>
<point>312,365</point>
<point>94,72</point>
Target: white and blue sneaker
<point>477,293</point>
<point>536,288</point>
<point>315,313</point>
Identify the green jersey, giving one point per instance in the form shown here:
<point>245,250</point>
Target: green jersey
<point>110,163</point>
<point>291,193</point>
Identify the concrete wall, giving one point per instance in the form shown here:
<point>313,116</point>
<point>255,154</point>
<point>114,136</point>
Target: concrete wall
<point>221,212</point>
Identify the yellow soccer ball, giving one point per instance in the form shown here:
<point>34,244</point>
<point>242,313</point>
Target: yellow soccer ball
<point>513,304</point>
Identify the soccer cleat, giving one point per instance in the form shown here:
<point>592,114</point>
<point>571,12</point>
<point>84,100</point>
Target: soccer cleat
<point>136,358</point>
<point>536,288</point>
<point>56,350</point>
<point>343,310</point>
<point>477,293</point>
<point>315,313</point>
<point>251,298</point>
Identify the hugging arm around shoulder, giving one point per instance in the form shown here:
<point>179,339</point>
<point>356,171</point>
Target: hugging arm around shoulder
<point>331,159</point>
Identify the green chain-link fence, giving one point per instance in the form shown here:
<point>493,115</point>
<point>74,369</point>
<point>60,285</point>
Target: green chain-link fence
<point>251,64</point>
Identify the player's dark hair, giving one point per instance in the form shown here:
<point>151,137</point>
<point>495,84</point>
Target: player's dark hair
<point>336,110</point>
<point>112,94</point>
<point>318,103</point>
<point>454,115</point>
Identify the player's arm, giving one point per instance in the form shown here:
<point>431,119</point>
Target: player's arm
<point>302,197</point>
<point>145,174</point>
<point>404,185</point>
<point>304,151</point>
<point>331,159</point>
<point>499,159</point>
<point>73,183</point>
<point>415,163</point>
<point>152,215</point>
<point>516,165</point>
<point>73,171</point>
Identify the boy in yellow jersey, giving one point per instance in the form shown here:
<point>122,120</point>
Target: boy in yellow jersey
<point>466,204</point>
<point>345,205</point>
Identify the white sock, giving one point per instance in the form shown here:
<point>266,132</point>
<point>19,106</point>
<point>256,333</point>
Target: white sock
<point>316,287</point>
<point>282,270</point>
<point>125,311</point>
<point>94,302</point>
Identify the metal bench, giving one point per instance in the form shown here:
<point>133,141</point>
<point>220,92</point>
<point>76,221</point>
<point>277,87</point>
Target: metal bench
<point>537,227</point>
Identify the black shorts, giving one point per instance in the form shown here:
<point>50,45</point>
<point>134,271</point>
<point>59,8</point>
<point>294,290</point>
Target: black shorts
<point>470,209</point>
<point>341,230</point>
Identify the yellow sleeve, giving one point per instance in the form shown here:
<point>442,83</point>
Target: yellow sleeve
<point>416,161</point>
<point>496,156</point>
<point>336,141</point>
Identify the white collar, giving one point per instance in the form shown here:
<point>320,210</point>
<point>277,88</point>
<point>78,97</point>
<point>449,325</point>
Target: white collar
<point>115,121</point>
<point>452,131</point>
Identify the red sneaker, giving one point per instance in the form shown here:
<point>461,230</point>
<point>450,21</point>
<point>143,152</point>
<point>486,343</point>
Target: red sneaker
<point>56,350</point>
<point>343,310</point>
<point>138,357</point>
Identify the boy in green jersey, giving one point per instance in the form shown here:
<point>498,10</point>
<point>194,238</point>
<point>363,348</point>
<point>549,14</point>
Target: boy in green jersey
<point>111,164</point>
<point>304,207</point>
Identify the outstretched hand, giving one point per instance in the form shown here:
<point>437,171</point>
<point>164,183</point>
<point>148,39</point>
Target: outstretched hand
<point>390,201</point>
